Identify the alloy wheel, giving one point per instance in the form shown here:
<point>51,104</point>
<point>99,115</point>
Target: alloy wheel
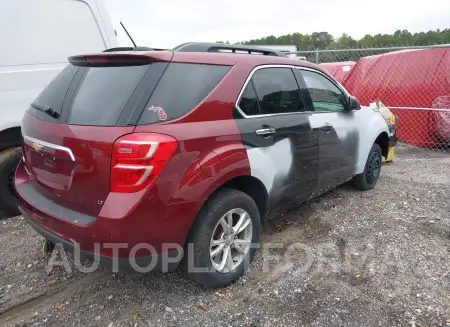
<point>231,240</point>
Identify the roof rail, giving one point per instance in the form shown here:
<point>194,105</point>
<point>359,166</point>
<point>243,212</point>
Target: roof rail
<point>223,47</point>
<point>133,49</point>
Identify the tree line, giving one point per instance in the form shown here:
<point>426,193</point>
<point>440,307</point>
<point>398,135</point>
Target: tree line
<point>324,40</point>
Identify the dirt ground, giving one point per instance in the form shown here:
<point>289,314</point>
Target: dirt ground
<point>376,258</point>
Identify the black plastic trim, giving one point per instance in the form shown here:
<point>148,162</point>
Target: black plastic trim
<point>136,105</point>
<point>128,49</point>
<point>70,95</point>
<point>123,264</point>
<point>134,49</point>
<point>306,96</point>
<point>29,193</point>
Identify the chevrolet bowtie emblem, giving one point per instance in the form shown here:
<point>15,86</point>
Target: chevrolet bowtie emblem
<point>37,146</point>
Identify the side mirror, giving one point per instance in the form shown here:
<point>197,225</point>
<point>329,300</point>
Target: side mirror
<point>353,104</point>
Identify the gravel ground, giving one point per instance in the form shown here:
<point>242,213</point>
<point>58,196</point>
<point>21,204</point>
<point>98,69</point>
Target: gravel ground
<point>376,258</point>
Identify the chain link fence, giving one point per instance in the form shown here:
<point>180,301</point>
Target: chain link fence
<point>413,82</point>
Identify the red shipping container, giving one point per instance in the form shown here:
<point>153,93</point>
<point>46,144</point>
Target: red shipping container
<point>338,69</point>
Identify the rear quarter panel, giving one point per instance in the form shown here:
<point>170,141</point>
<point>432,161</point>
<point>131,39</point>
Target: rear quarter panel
<point>210,150</point>
<point>212,145</point>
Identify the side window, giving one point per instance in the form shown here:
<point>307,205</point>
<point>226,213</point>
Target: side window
<point>249,101</point>
<point>182,87</point>
<point>277,91</point>
<point>324,94</point>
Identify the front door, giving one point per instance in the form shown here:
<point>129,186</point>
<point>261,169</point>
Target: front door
<point>337,128</point>
<point>282,148</point>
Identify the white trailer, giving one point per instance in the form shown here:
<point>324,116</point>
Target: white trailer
<point>36,37</point>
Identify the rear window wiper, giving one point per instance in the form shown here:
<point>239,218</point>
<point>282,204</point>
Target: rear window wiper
<point>45,109</point>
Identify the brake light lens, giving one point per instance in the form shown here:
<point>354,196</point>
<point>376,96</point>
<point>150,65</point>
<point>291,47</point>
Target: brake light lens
<point>138,159</point>
<point>110,60</point>
<point>97,60</point>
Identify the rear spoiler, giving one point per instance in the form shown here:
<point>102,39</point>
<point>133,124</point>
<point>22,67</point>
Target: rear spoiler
<point>109,58</point>
<point>117,60</point>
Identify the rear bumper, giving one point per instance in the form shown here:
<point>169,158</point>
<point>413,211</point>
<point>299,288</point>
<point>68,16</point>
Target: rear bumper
<point>162,262</point>
<point>130,230</point>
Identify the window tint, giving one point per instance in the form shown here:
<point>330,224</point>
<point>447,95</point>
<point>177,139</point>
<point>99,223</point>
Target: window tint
<point>53,95</point>
<point>324,94</point>
<point>277,91</point>
<point>103,94</point>
<point>180,89</point>
<point>249,101</point>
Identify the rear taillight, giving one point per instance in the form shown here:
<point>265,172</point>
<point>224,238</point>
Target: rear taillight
<point>138,159</point>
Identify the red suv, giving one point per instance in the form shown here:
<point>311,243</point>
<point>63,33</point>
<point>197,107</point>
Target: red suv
<point>145,159</point>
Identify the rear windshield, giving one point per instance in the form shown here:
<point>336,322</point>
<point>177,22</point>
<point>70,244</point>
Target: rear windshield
<point>98,95</point>
<point>103,93</point>
<point>53,95</point>
<point>90,95</point>
<point>180,89</point>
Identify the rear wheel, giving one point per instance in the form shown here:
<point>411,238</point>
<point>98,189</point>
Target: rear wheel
<point>369,177</point>
<point>9,159</point>
<point>223,239</point>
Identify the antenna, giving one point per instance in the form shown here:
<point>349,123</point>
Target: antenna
<point>132,41</point>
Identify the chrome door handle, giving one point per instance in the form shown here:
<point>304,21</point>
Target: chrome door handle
<point>265,131</point>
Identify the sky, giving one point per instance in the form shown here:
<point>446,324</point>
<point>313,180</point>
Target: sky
<point>167,23</point>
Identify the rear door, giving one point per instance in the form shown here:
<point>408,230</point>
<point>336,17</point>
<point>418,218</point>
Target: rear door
<point>281,145</point>
<point>338,129</point>
<point>68,153</point>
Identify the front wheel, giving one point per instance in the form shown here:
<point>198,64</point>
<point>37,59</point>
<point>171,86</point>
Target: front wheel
<point>9,159</point>
<point>223,239</point>
<point>369,177</point>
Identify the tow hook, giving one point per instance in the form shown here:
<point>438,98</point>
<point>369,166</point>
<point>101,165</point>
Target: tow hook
<point>47,248</point>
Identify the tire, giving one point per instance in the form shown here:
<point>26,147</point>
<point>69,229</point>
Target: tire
<point>369,177</point>
<point>197,261</point>
<point>9,159</point>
